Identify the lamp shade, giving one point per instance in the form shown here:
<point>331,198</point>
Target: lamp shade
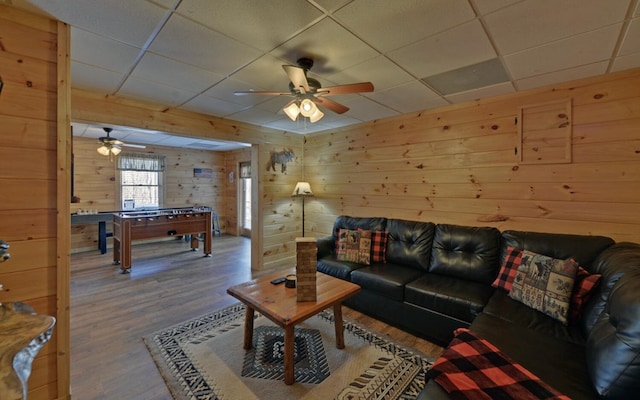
<point>292,111</point>
<point>302,189</point>
<point>104,150</point>
<point>307,108</point>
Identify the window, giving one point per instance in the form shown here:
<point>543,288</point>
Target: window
<point>140,180</point>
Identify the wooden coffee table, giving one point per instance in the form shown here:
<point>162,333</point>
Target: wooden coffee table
<point>280,305</point>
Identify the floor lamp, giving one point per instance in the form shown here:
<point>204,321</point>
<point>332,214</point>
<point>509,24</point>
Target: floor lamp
<point>303,189</point>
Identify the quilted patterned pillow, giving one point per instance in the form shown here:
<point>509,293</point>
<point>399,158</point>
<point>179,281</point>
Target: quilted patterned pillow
<point>583,288</point>
<point>545,284</point>
<point>508,270</point>
<point>354,246</point>
<point>378,246</point>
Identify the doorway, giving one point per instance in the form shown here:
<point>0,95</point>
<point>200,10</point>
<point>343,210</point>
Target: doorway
<point>244,198</point>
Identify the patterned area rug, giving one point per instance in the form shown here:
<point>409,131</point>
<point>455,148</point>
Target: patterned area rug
<point>203,359</point>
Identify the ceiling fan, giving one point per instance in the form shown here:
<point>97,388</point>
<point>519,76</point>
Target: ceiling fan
<point>308,93</point>
<point>110,146</point>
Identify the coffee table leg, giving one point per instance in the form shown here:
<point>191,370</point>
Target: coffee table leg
<point>248,328</point>
<point>289,339</point>
<point>337,313</point>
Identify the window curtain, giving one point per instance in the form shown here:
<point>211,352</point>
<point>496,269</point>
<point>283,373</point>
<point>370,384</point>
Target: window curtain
<point>141,162</point>
<point>245,170</point>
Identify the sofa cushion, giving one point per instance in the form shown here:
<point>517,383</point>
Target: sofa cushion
<point>508,270</point>
<point>545,284</point>
<point>613,347</point>
<point>387,280</point>
<point>559,363</point>
<point>582,248</point>
<point>354,246</point>
<point>461,299</point>
<point>613,263</point>
<point>409,243</point>
<point>330,265</point>
<point>500,305</point>
<point>466,252</point>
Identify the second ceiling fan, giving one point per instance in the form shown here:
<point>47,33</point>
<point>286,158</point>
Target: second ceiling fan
<point>308,93</point>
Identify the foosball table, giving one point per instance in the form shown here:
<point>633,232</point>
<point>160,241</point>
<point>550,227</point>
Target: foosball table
<point>135,225</point>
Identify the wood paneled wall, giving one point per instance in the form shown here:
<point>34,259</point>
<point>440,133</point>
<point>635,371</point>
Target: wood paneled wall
<point>459,165</point>
<point>34,68</point>
<point>96,184</point>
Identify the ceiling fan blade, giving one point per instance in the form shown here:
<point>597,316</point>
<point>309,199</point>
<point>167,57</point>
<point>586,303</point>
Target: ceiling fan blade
<point>297,77</point>
<point>332,105</point>
<point>266,93</point>
<point>346,89</point>
<point>138,146</point>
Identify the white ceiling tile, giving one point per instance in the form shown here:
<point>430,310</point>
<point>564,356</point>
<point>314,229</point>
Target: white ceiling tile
<point>563,75</point>
<point>265,73</point>
<point>631,41</point>
<point>389,25</point>
<point>301,126</point>
<point>168,72</point>
<point>255,116</point>
<point>330,46</point>
<point>331,5</point>
<point>141,89</point>
<point>225,89</point>
<point>413,96</point>
<point>275,104</point>
<point>487,6</point>
<point>455,48</point>
<point>380,71</point>
<point>534,22</point>
<point>102,52</point>
<point>626,62</point>
<point>93,78</point>
<point>130,22</point>
<point>364,109</point>
<point>577,50</point>
<point>265,24</point>
<point>212,106</point>
<point>477,94</point>
<point>192,43</point>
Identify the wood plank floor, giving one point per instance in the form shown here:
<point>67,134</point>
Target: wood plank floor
<point>168,284</point>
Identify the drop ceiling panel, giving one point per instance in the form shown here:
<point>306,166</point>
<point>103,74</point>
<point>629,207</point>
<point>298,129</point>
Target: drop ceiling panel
<point>577,50</point>
<point>224,91</point>
<point>533,23</point>
<point>477,94</point>
<point>389,25</point>
<point>364,109</point>
<point>631,41</point>
<point>461,46</point>
<point>383,73</point>
<point>255,116</point>
<point>332,47</point>
<point>102,52</point>
<point>171,73</point>
<point>191,43</point>
<point>565,75</point>
<point>488,6</point>
<point>212,106</point>
<point>93,78</point>
<point>265,73</point>
<point>413,96</point>
<point>265,24</point>
<point>129,22</point>
<point>141,89</point>
<point>626,62</point>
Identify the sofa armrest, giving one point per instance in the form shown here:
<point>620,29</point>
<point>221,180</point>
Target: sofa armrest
<point>326,246</point>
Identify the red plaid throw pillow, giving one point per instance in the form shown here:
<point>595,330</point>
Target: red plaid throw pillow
<point>583,288</point>
<point>508,270</point>
<point>378,246</point>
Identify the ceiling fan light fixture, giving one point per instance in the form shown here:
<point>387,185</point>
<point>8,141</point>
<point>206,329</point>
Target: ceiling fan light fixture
<point>307,108</point>
<point>104,150</point>
<point>316,116</point>
<point>292,111</point>
<point>115,150</point>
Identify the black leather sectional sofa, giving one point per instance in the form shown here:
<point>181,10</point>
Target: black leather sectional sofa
<point>438,277</point>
